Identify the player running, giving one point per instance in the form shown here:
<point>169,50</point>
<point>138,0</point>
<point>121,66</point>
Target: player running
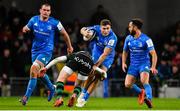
<point>43,27</point>
<point>80,62</point>
<point>103,43</point>
<point>139,46</point>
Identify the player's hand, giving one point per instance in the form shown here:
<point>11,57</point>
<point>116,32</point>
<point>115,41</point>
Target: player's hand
<point>25,29</point>
<point>86,33</point>
<point>103,75</point>
<point>154,70</point>
<point>83,31</point>
<point>124,67</point>
<point>42,71</point>
<point>70,50</point>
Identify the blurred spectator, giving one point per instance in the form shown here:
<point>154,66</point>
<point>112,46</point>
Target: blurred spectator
<point>7,62</point>
<point>176,73</point>
<point>176,60</point>
<point>6,32</point>
<point>168,53</point>
<point>77,26</point>
<point>98,15</point>
<point>6,88</point>
<point>164,70</point>
<point>176,66</point>
<point>20,52</point>
<point>116,71</point>
<point>176,36</point>
<point>81,46</point>
<point>5,43</point>
<point>72,34</point>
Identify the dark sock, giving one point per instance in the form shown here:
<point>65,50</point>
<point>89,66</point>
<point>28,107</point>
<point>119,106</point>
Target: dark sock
<point>59,89</point>
<point>77,90</point>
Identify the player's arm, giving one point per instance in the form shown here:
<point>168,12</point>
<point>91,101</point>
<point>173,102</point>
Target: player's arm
<point>124,58</point>
<point>61,59</point>
<point>125,54</point>
<point>83,31</point>
<point>65,36</point>
<point>154,61</point>
<point>25,29</point>
<point>103,56</point>
<point>86,33</point>
<point>152,51</point>
<point>100,71</point>
<point>28,26</point>
<point>67,40</point>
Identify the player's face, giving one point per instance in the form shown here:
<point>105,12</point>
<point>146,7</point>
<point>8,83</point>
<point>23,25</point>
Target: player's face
<point>105,30</point>
<point>45,11</point>
<point>131,29</point>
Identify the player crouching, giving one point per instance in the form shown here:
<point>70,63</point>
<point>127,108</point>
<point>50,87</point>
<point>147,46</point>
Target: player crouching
<point>80,62</point>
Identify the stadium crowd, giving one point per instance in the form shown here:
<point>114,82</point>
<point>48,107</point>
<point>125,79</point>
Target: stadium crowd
<point>15,48</point>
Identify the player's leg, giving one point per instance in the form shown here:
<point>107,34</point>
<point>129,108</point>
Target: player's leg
<point>84,96</point>
<point>144,78</point>
<point>94,83</point>
<point>130,83</point>
<point>130,79</point>
<point>90,87</point>
<point>45,58</point>
<point>45,79</point>
<point>63,75</point>
<point>34,70</point>
<point>77,90</point>
<point>148,90</point>
<point>86,85</point>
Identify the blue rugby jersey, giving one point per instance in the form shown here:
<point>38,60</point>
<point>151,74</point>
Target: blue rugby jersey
<point>43,31</point>
<point>100,41</point>
<point>139,49</point>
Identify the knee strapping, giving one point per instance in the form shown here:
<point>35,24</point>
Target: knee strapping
<point>34,71</point>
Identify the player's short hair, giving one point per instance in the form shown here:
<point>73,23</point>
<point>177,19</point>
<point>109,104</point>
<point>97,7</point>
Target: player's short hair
<point>137,22</point>
<point>45,4</point>
<point>105,22</point>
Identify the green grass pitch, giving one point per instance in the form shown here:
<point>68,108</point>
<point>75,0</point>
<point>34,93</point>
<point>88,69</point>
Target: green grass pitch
<point>40,103</point>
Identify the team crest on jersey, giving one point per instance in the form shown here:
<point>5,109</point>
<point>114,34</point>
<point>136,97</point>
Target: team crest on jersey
<point>43,59</point>
<point>35,24</point>
<point>49,27</point>
<point>105,43</point>
<point>139,44</point>
<point>147,67</point>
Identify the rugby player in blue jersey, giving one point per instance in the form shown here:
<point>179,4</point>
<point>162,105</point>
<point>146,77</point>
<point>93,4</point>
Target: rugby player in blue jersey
<point>43,27</point>
<point>139,45</point>
<point>103,52</point>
